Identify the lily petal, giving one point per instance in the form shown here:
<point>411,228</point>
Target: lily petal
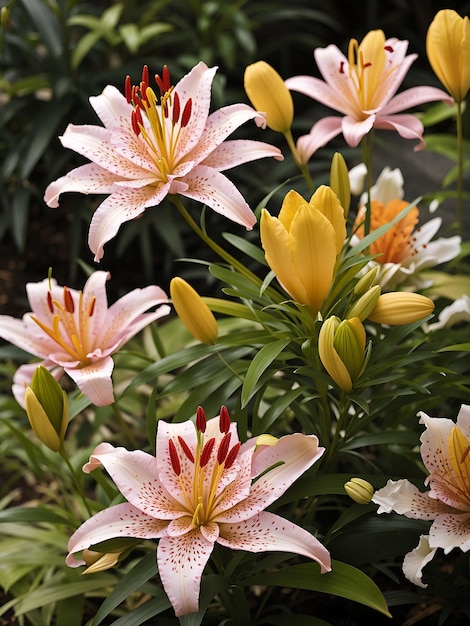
<point>89,178</point>
<point>405,498</point>
<point>451,530</point>
<point>266,531</point>
<point>94,380</point>
<point>415,560</point>
<point>321,133</point>
<point>181,561</point>
<point>238,151</point>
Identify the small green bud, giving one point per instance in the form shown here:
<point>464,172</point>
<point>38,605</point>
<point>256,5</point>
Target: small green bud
<point>359,490</point>
<point>363,307</point>
<point>47,408</point>
<point>339,181</point>
<point>366,282</point>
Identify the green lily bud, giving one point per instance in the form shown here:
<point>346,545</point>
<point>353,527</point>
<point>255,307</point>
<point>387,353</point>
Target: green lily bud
<point>341,346</point>
<point>364,306</point>
<point>47,408</point>
<point>193,311</point>
<point>366,282</point>
<point>339,181</point>
<point>359,490</point>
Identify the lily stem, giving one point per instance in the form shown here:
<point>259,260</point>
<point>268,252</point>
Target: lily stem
<point>459,120</point>
<point>302,166</point>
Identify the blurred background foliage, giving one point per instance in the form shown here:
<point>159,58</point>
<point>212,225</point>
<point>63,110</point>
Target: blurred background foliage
<point>57,53</point>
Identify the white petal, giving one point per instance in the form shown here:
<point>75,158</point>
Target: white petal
<point>89,178</point>
<point>232,153</point>
<point>94,380</point>
<point>404,498</point>
<point>451,530</point>
<point>415,560</point>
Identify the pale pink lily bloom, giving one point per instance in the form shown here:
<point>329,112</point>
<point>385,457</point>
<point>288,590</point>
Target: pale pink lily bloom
<point>362,87</point>
<point>76,332</point>
<point>201,488</point>
<point>445,448</point>
<point>150,147</point>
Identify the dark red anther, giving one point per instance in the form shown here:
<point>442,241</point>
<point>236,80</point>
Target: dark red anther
<point>68,301</point>
<point>143,93</point>
<point>223,448</point>
<point>388,48</point>
<point>201,420</point>
<point>368,64</point>
<point>186,449</point>
<point>50,304</point>
<point>92,306</point>
<point>164,82</point>
<point>224,420</point>
<point>341,67</point>
<point>176,108</point>
<point>145,76</point>
<point>206,452</point>
<point>128,89</point>
<point>135,125</point>
<point>232,455</point>
<point>186,113</point>
<point>174,458</point>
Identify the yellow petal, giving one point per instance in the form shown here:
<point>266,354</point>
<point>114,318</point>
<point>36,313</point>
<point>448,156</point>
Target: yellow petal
<point>193,311</point>
<point>326,201</point>
<point>275,242</point>
<point>371,64</point>
<point>290,204</point>
<point>313,249</point>
<point>268,93</point>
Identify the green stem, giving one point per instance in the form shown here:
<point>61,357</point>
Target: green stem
<point>124,426</point>
<point>366,146</point>
<point>340,426</point>
<point>302,166</point>
<point>76,481</point>
<point>459,168</point>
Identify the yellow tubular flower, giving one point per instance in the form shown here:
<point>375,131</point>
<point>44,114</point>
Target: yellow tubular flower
<point>300,248</point>
<point>448,50</point>
<point>341,346</point>
<point>268,94</point>
<point>47,408</point>
<point>193,311</point>
<point>401,307</point>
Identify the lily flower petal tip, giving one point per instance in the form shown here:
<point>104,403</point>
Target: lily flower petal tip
<point>202,487</point>
<point>76,332</point>
<point>153,146</point>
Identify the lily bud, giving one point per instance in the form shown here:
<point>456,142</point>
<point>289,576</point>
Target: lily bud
<point>341,346</point>
<point>401,307</point>
<point>448,50</point>
<point>268,93</point>
<point>339,181</point>
<point>47,408</point>
<point>359,490</point>
<point>193,311</point>
<point>363,307</point>
<point>366,282</point>
<point>266,440</point>
<point>99,562</point>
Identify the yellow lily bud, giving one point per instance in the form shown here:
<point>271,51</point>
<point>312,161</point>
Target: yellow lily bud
<point>99,562</point>
<point>339,181</point>
<point>193,311</point>
<point>363,307</point>
<point>448,50</point>
<point>266,440</point>
<point>359,490</point>
<point>341,346</point>
<point>47,408</point>
<point>401,307</point>
<point>366,282</point>
<point>302,243</point>
<point>268,93</point>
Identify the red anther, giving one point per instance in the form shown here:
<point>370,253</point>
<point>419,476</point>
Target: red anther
<point>232,455</point>
<point>201,420</point>
<point>388,48</point>
<point>223,448</point>
<point>186,113</point>
<point>68,301</point>
<point>143,93</point>
<point>165,108</point>
<point>176,108</point>
<point>224,420</point>
<point>135,125</point>
<point>128,89</point>
<point>368,64</point>
<point>174,459</point>
<point>186,449</point>
<point>164,82</point>
<point>92,306</point>
<point>136,101</point>
<point>341,67</point>
<point>145,76</point>
<point>50,304</point>
<point>206,452</point>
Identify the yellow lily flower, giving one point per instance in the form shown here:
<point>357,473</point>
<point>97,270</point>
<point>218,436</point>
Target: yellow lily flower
<point>448,50</point>
<point>302,243</point>
<point>193,311</point>
<point>268,94</point>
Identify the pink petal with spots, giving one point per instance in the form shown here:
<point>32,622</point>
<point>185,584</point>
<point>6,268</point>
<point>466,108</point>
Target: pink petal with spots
<point>407,126</point>
<point>210,531</point>
<point>238,151</point>
<point>268,532</point>
<point>121,520</point>
<point>210,187</point>
<point>95,299</point>
<point>118,208</point>
<point>181,561</point>
<point>16,332</point>
<point>94,380</point>
<point>180,487</point>
<point>180,526</point>
<point>405,498</point>
<point>89,178</point>
<point>113,109</point>
<point>451,530</point>
<point>415,96</point>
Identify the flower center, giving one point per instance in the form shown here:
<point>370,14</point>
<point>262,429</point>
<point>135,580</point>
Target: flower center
<point>69,326</point>
<point>459,457</point>
<point>398,243</point>
<point>158,121</point>
<point>208,462</point>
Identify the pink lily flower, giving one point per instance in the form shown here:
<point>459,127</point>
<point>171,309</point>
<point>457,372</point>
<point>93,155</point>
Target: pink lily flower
<point>76,332</point>
<point>445,448</point>
<point>362,87</point>
<point>150,147</point>
<point>202,487</point>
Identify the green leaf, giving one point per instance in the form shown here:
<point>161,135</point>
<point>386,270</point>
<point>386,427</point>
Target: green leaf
<point>210,587</point>
<point>32,515</point>
<point>146,611</point>
<point>260,363</point>
<point>288,619</point>
<point>344,580</point>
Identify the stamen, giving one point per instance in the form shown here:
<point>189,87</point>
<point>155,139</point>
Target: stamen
<point>223,448</point>
<point>186,449</point>
<point>201,420</point>
<point>186,113</point>
<point>341,67</point>
<point>128,89</point>
<point>388,48</point>
<point>145,76</point>
<point>174,459</point>
<point>49,302</point>
<point>92,306</point>
<point>232,455</point>
<point>224,420</point>
<point>135,124</point>
<point>68,301</point>
<point>176,108</point>
<point>206,452</point>
<point>164,83</point>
